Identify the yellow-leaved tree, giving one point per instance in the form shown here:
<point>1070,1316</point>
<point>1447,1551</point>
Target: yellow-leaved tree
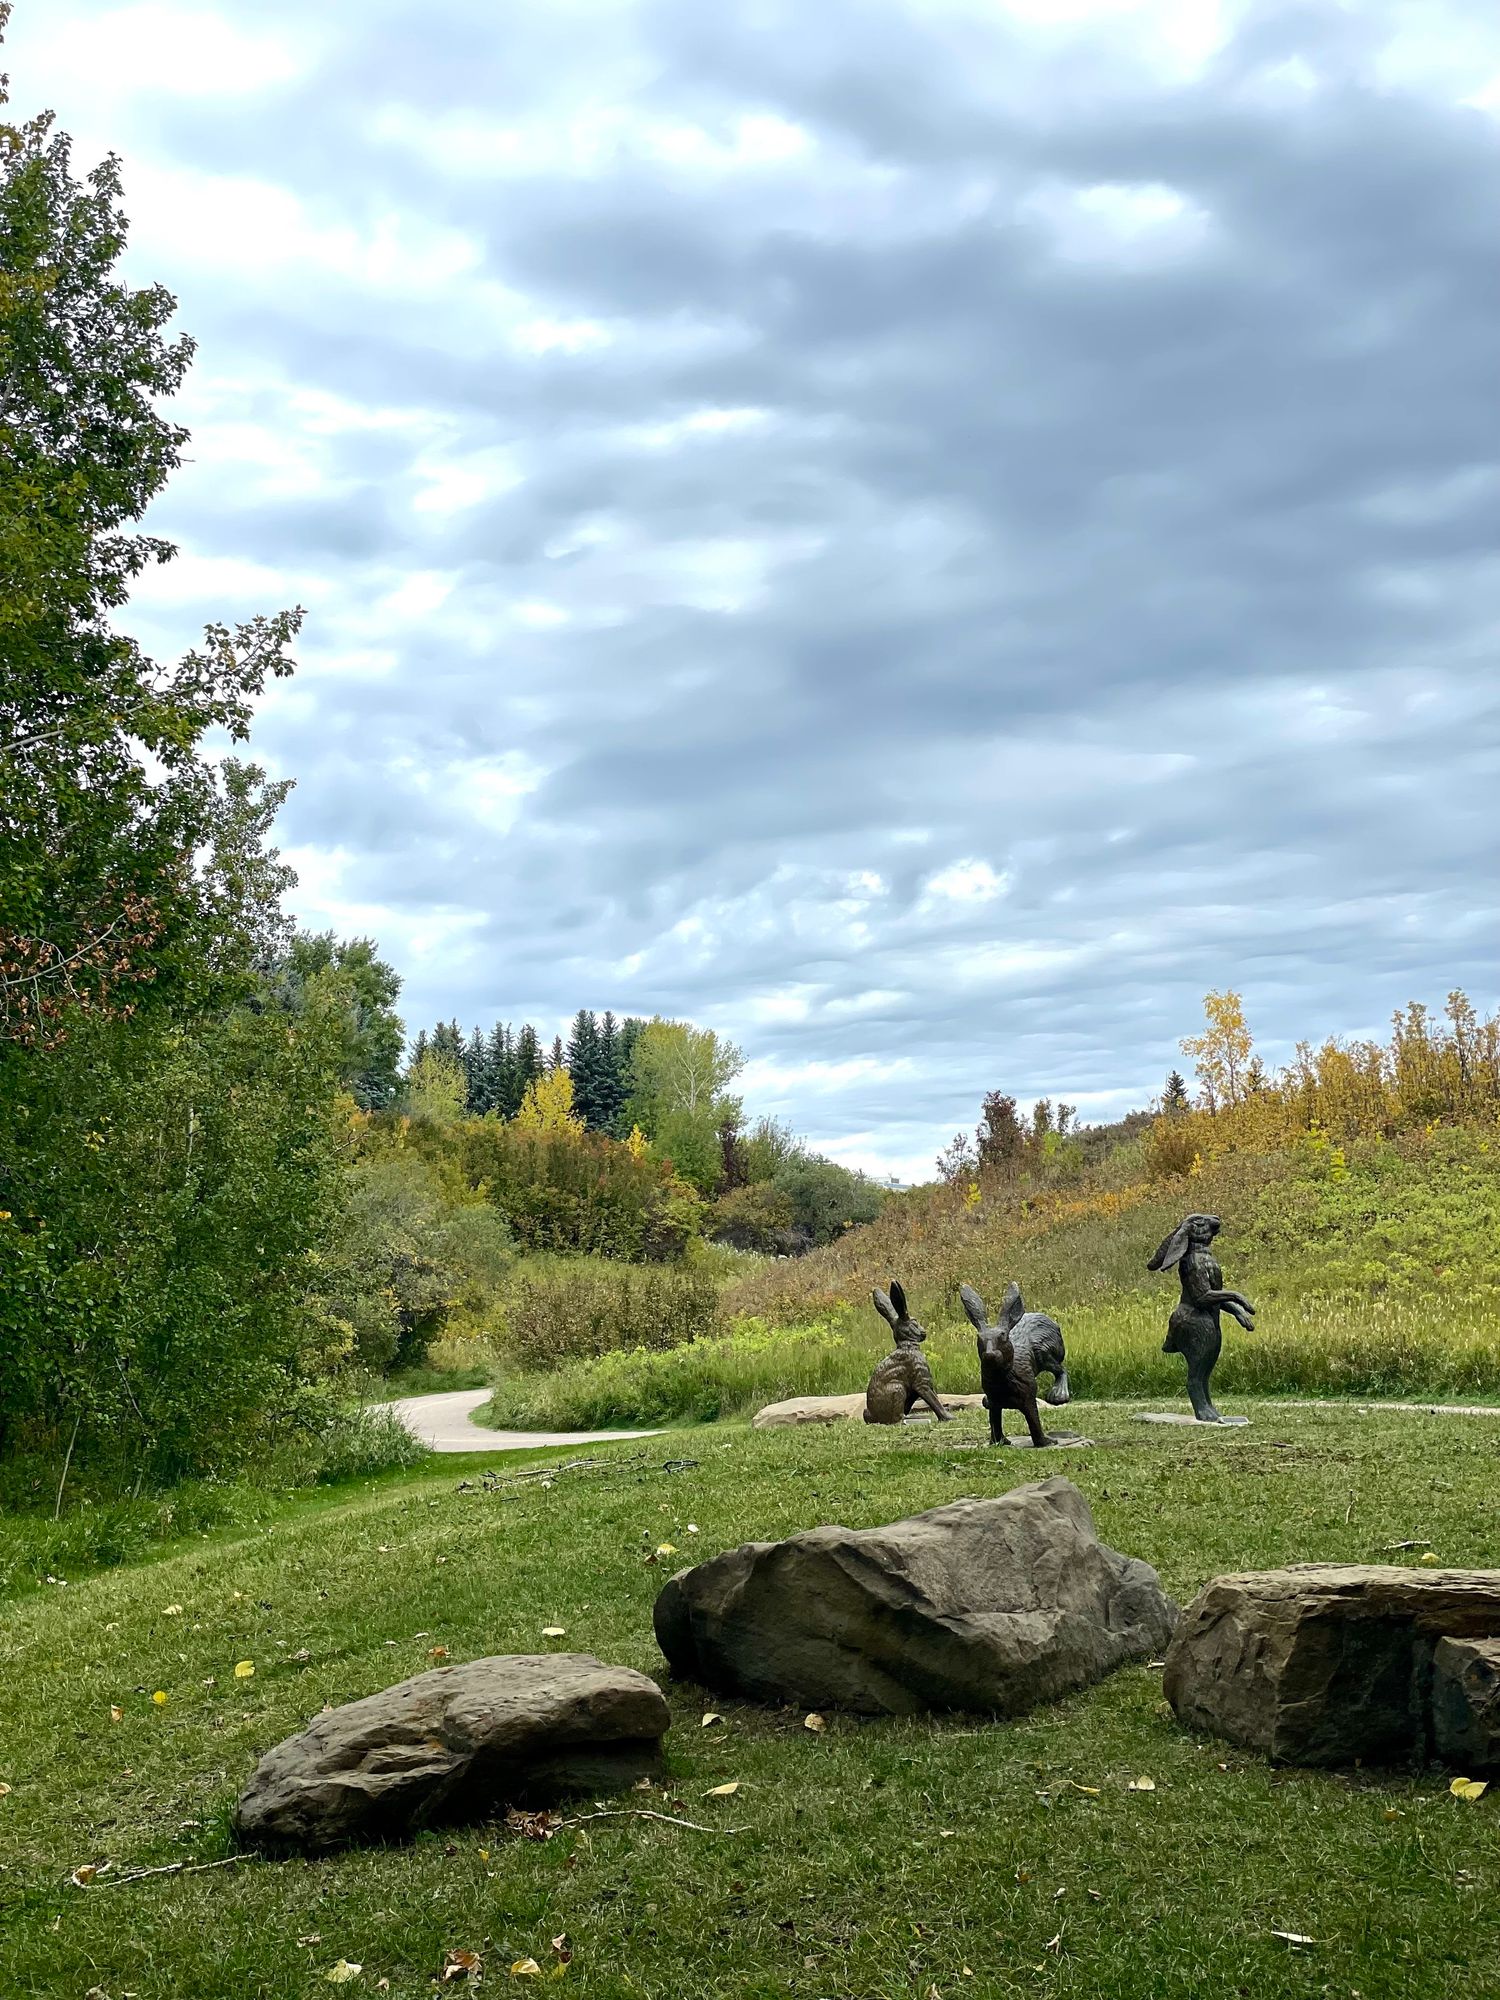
<point>1221,1054</point>
<point>548,1105</point>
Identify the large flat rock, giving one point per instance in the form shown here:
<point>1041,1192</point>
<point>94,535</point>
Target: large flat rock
<point>458,1743</point>
<point>835,1409</point>
<point>1324,1663</point>
<point>991,1605</point>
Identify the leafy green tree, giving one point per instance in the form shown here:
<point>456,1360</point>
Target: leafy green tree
<point>680,1073</point>
<point>370,1060</point>
<point>124,880</point>
<point>826,1199</point>
<point>435,1089</point>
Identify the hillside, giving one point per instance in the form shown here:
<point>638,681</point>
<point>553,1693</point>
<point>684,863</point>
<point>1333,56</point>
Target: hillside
<point>1375,1269</point>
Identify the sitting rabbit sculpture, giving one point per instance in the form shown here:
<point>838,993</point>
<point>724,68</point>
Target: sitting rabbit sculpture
<point>1193,1330</point>
<point>1013,1351</point>
<point>903,1379</point>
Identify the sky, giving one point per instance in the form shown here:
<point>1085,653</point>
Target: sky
<point>923,535</point>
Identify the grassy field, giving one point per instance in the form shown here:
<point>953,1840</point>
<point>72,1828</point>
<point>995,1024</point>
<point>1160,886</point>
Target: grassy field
<point>880,1858</point>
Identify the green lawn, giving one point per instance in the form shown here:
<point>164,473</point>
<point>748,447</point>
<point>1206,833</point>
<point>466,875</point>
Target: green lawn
<point>878,1858</point>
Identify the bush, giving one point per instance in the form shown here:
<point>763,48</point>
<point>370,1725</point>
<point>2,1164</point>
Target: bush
<point>758,1217</point>
<point>591,1309</point>
<point>825,1199</point>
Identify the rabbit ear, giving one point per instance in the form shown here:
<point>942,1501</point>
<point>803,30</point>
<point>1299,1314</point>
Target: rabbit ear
<point>1172,1251</point>
<point>974,1306</point>
<point>884,1307</point>
<point>1012,1306</point>
<point>898,1299</point>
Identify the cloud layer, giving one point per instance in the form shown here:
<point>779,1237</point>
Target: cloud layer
<point>921,535</point>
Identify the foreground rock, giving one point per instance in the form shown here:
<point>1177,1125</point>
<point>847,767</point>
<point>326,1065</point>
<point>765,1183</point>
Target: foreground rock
<point>991,1605</point>
<point>1327,1663</point>
<point>833,1409</point>
<point>458,1743</point>
<point>1466,1703</point>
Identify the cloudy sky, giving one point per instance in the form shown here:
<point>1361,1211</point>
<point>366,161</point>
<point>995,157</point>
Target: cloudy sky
<point>920,533</point>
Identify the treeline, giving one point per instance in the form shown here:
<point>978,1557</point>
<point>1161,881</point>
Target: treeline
<point>1432,1070</point>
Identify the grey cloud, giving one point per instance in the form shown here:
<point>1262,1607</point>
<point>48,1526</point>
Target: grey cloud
<point>1035,555</point>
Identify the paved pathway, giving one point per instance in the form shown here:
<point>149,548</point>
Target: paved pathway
<point>444,1422</point>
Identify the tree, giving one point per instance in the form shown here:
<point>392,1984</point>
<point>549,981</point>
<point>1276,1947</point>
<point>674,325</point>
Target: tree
<point>675,1067</point>
<point>126,880</point>
<point>367,988</point>
<point>1000,1142</point>
<point>1221,1054</point>
<point>505,1097</point>
<point>527,1065</point>
<point>435,1088</point>
<point>957,1163</point>
<point>1174,1098</point>
<point>548,1104</point>
<point>477,1073</point>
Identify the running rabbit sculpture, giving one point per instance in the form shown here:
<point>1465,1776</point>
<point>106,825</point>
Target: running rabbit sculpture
<point>1193,1330</point>
<point>903,1379</point>
<point>1013,1351</point>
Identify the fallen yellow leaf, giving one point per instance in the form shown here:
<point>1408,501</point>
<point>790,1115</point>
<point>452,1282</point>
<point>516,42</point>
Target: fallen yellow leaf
<point>1141,1785</point>
<point>83,1876</point>
<point>341,1972</point>
<point>1469,1788</point>
<point>244,1670</point>
<point>1431,1560</point>
<point>815,1723</point>
<point>462,1964</point>
<point>665,1549</point>
<point>437,1652</point>
<point>554,1631</point>
<point>116,1714</point>
<point>525,1968</point>
<point>173,1611</point>
<point>160,1697</point>
<point>723,1791</point>
<point>709,1719</point>
<point>1293,1937</point>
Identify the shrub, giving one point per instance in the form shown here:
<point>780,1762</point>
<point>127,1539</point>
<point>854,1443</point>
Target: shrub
<point>585,1310</point>
<point>758,1217</point>
<point>825,1198</point>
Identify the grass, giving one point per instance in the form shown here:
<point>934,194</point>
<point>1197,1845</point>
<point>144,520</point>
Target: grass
<point>881,1858</point>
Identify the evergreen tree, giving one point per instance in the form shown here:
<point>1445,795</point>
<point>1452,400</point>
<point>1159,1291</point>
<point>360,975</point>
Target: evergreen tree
<point>614,1081</point>
<point>1174,1099</point>
<point>419,1048</point>
<point>526,1066</point>
<point>477,1074</point>
<point>626,1037</point>
<point>583,1067</point>
<point>505,1098</point>
<point>557,1057</point>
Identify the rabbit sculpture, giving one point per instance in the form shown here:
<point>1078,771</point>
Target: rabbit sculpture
<point>1013,1351</point>
<point>903,1379</point>
<point>1193,1330</point>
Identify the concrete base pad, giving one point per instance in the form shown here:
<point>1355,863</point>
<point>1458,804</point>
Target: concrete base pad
<point>1177,1417</point>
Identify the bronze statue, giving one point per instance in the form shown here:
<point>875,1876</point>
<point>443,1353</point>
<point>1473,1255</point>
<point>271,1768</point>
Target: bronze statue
<point>1013,1351</point>
<point>1193,1330</point>
<point>903,1379</point>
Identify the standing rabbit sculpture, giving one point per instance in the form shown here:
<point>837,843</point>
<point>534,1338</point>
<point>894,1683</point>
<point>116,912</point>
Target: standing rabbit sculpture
<point>1013,1351</point>
<point>1193,1330</point>
<point>903,1379</point>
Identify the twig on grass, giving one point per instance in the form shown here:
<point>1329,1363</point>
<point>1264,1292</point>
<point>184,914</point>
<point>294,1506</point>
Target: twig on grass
<point>171,1868</point>
<point>642,1812</point>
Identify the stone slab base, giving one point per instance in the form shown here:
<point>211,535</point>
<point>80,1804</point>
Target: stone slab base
<point>1177,1417</point>
<point>835,1409</point>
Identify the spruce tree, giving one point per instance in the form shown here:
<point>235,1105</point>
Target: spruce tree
<point>557,1057</point>
<point>505,1099</point>
<point>614,1087</point>
<point>526,1065</point>
<point>477,1074</point>
<point>583,1066</point>
<point>1174,1099</point>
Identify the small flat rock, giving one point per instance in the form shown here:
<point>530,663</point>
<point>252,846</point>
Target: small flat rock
<point>1466,1704</point>
<point>835,1409</point>
<point>989,1605</point>
<point>1326,1663</point>
<point>1193,1423</point>
<point>458,1743</point>
<point>1058,1440</point>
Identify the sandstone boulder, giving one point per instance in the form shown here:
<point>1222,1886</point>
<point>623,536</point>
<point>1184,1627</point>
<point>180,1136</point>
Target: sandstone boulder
<point>459,1743</point>
<point>834,1409</point>
<point>990,1605</point>
<point>1466,1704</point>
<point>1324,1663</point>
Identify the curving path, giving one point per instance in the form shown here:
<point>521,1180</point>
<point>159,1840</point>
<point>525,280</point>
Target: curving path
<point>445,1422</point>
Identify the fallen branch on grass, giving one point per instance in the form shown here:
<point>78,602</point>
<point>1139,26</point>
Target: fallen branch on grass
<point>642,1812</point>
<point>171,1868</point>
